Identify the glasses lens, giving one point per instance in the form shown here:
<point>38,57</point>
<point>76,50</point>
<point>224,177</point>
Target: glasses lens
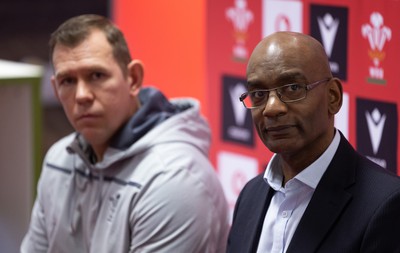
<point>292,92</point>
<point>286,93</point>
<point>256,98</point>
<point>246,101</point>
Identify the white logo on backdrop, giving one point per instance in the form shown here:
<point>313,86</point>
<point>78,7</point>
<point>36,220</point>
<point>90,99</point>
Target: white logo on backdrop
<point>237,131</point>
<point>238,108</point>
<point>328,27</point>
<point>375,122</point>
<point>241,18</point>
<point>377,34</point>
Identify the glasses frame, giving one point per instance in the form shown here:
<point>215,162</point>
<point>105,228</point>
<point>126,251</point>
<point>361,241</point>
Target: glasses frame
<point>307,88</point>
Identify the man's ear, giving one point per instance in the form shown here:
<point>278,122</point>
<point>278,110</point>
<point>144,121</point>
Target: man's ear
<point>53,83</point>
<point>335,96</point>
<point>136,75</point>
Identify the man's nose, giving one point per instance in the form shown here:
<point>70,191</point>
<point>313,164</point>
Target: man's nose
<point>84,92</point>
<point>274,106</point>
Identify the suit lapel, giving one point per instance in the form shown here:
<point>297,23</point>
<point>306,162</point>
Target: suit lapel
<point>256,199</point>
<point>255,227</point>
<point>327,203</point>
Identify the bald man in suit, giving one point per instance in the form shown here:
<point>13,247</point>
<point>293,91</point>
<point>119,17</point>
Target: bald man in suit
<point>317,193</point>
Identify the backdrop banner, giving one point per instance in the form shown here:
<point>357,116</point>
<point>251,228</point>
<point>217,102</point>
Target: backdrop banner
<point>200,48</point>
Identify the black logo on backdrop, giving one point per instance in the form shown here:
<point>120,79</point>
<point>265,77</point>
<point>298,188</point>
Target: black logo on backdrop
<point>329,25</point>
<point>237,124</point>
<point>377,132</point>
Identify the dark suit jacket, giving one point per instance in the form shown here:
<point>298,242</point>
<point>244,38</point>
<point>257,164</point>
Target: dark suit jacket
<point>355,208</point>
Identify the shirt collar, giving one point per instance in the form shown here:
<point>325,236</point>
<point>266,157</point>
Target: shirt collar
<point>310,175</point>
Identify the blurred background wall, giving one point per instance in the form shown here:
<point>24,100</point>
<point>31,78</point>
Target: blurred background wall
<point>25,28</point>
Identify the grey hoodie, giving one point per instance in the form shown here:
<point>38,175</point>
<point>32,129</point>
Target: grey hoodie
<point>154,191</point>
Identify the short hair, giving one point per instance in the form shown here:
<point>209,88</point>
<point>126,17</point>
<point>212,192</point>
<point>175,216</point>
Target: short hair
<point>76,29</point>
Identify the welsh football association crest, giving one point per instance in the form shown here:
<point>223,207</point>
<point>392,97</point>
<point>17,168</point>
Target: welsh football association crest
<point>241,18</point>
<point>377,35</point>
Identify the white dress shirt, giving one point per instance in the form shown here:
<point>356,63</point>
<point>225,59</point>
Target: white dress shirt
<point>289,203</point>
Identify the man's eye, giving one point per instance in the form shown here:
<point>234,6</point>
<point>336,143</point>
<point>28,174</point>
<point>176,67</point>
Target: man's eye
<point>259,94</point>
<point>294,87</point>
<point>67,81</point>
<point>97,75</point>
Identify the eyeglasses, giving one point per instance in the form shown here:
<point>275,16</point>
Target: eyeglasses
<point>287,93</point>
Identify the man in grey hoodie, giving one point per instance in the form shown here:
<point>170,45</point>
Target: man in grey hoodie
<point>135,176</point>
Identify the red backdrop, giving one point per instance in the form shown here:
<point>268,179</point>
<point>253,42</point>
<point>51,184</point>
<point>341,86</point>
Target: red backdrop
<point>200,48</point>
